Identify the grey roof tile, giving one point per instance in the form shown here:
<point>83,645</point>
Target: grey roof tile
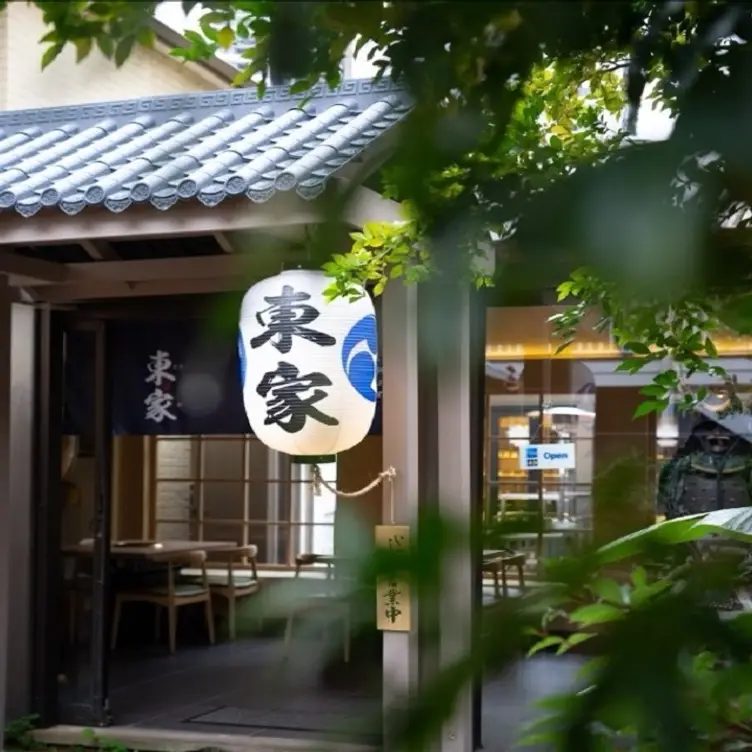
<point>204,147</point>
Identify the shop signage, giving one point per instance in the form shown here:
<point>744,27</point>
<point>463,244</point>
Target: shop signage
<point>547,457</point>
<point>393,592</point>
<point>308,364</point>
<point>172,378</point>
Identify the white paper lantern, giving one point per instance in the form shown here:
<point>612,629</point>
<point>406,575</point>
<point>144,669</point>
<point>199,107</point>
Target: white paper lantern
<point>308,366</point>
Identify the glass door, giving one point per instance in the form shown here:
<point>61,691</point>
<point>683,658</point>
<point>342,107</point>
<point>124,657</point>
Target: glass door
<point>82,539</point>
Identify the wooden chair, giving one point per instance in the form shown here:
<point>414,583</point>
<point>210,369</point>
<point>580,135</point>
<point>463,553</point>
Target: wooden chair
<point>171,597</point>
<point>329,595</point>
<point>235,584</point>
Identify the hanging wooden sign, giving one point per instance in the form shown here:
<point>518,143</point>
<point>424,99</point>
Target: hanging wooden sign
<point>393,593</point>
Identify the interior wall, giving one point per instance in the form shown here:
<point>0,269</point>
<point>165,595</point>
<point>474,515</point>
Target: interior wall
<point>129,467</point>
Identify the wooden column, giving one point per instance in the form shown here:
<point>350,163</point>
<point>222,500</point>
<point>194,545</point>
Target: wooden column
<point>455,487</point>
<point>399,337</point>
<point>17,380</point>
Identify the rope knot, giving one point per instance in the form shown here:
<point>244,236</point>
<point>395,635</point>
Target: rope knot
<point>318,482</point>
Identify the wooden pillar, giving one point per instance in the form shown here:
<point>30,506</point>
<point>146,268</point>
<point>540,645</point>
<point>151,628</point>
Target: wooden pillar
<point>399,337</point>
<point>17,380</point>
<point>455,487</point>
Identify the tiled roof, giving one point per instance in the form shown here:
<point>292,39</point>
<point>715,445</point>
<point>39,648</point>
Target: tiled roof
<point>206,146</point>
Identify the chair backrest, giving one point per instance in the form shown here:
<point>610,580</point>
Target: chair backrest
<point>239,555</point>
<point>193,559</point>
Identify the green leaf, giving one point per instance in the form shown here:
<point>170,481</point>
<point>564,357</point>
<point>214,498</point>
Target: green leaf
<point>51,53</point>
<point>669,532</point>
<point>242,77</point>
<point>106,45</point>
<point>225,37</point>
<point>669,378</point>
<point>638,348</point>
<point>710,348</point>
<point>650,406</point>
<point>642,594</point>
<point>546,642</point>
<point>564,290</point>
<point>653,390</point>
<point>573,640</point>
<point>298,87</point>
<point>639,577</point>
<point>146,36</point>
<point>631,365</point>
<point>83,48</point>
<point>595,613</point>
<point>123,49</point>
<point>608,590</point>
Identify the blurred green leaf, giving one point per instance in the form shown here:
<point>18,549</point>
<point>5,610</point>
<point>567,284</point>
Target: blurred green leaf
<point>595,613</point>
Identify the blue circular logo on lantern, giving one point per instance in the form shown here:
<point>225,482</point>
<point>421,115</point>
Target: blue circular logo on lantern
<point>359,356</point>
<point>241,359</point>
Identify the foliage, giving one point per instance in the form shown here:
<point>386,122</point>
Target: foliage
<point>648,331</point>
<point>694,664</point>
<point>19,733</point>
<point>516,119</point>
<point>508,144</point>
<point>93,739</point>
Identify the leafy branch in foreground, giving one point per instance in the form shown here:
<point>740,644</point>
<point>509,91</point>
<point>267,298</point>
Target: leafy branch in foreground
<point>671,672</point>
<point>676,334</point>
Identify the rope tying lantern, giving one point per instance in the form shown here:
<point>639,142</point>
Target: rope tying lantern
<point>385,476</point>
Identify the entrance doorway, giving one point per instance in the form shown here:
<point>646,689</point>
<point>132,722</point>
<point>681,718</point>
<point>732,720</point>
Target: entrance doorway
<point>230,536</point>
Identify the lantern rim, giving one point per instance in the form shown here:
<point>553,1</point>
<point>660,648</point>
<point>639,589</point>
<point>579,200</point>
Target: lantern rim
<point>313,459</point>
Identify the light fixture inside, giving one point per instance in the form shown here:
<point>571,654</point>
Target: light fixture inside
<point>567,410</point>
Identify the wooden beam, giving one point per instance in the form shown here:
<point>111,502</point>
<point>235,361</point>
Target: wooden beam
<point>118,290</point>
<point>224,242</point>
<point>234,266</point>
<point>100,250</point>
<point>238,267</point>
<point>366,205</point>
<point>51,226</point>
<point>24,270</point>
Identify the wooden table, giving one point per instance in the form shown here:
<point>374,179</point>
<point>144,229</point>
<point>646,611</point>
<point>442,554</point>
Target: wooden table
<point>495,562</point>
<point>151,550</point>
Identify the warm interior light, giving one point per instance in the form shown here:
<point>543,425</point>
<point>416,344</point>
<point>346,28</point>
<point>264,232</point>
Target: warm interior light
<point>519,435</point>
<point>726,346</point>
<point>667,430</point>
<point>577,412</point>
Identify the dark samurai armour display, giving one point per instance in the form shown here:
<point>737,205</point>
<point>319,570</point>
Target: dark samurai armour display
<point>713,470</point>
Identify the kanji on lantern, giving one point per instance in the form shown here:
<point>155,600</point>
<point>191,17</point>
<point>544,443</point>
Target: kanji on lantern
<point>308,364</point>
